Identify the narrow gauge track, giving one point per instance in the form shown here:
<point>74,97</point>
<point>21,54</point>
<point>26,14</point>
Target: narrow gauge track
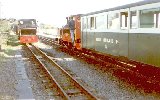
<point>67,87</point>
<point>142,75</point>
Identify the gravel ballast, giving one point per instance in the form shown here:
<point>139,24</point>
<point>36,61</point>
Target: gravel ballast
<point>106,85</point>
<point>17,79</point>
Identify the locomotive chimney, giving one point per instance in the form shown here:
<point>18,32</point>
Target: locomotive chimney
<point>67,19</point>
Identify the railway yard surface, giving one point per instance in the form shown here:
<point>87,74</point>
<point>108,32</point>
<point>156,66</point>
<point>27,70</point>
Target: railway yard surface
<point>20,81</point>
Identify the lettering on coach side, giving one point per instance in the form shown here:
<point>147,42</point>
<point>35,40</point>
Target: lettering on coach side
<point>98,39</point>
<point>110,40</point>
<point>105,46</point>
<point>117,41</point>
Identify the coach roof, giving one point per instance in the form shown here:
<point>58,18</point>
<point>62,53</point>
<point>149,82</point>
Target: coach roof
<point>124,6</point>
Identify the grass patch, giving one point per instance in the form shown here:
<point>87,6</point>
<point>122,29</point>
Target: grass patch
<point>9,45</point>
<point>13,40</point>
<point>9,51</point>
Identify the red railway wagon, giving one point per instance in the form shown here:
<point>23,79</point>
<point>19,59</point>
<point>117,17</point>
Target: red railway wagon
<point>28,36</point>
<point>27,31</point>
<point>28,39</point>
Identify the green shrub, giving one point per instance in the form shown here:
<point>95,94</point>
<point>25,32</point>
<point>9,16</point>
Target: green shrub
<point>4,26</point>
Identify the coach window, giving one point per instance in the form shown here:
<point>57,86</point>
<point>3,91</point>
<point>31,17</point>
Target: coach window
<point>84,23</point>
<point>100,22</point>
<point>113,21</point>
<point>159,20</point>
<point>88,23</point>
<point>133,19</point>
<point>92,22</point>
<point>124,20</point>
<point>149,18</point>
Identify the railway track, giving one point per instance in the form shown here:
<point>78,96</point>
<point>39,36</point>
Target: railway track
<point>65,86</point>
<point>143,76</point>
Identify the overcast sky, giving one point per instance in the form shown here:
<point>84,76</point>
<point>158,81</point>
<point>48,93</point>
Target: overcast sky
<point>54,11</point>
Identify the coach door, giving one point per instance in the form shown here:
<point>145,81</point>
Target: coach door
<point>84,32</point>
<point>124,32</point>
